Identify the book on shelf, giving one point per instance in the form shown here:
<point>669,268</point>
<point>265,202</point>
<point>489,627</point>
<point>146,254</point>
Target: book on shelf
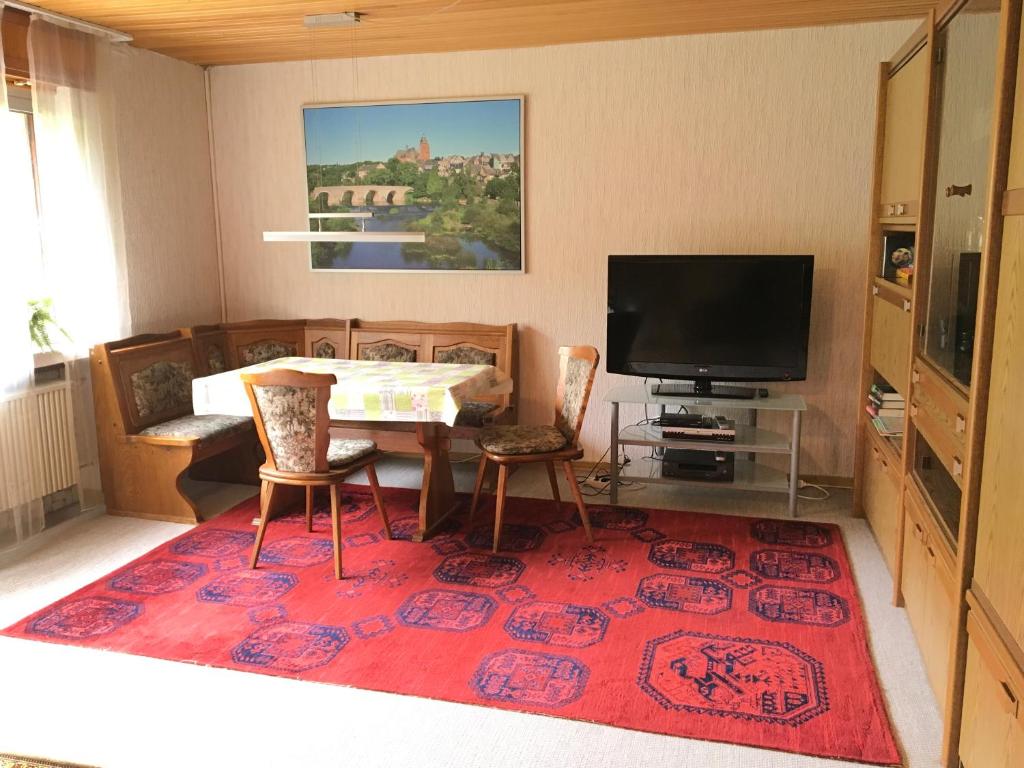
<point>880,403</point>
<point>888,426</point>
<point>893,412</point>
<point>885,393</point>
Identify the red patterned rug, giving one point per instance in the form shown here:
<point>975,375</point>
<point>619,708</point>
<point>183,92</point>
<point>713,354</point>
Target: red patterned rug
<point>714,627</point>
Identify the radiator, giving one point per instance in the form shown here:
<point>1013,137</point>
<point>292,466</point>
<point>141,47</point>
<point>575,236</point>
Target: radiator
<point>37,444</point>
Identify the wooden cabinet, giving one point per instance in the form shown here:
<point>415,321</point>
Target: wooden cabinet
<point>992,726</point>
<point>928,588</point>
<point>882,493</point>
<point>999,563</point>
<point>890,335</point>
<point>902,152</point>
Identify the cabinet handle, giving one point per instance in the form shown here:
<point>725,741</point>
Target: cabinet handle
<point>956,191</point>
<point>961,424</point>
<point>915,375</point>
<point>874,290</point>
<point>913,409</point>
<point>958,467</point>
<point>931,552</point>
<point>1011,699</point>
<point>901,209</point>
<point>890,210</point>
<point>918,532</point>
<point>906,305</point>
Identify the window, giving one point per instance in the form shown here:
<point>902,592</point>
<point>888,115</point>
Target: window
<point>20,236</point>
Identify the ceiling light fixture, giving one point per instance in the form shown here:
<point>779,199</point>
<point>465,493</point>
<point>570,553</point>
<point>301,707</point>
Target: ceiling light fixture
<point>343,237</point>
<point>332,20</point>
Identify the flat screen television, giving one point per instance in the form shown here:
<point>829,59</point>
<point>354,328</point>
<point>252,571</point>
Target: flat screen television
<point>709,318</point>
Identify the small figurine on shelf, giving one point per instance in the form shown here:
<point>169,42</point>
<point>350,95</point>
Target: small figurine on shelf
<point>903,260</point>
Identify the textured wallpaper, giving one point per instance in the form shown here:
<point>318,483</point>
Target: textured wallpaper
<point>755,142</point>
<point>166,188</point>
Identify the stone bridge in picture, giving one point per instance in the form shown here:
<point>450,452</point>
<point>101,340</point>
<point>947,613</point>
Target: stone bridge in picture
<point>362,194</point>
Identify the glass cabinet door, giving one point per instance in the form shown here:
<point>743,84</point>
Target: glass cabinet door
<point>965,89</point>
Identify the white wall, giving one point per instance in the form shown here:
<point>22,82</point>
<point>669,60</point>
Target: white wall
<point>167,192</point>
<point>755,142</point>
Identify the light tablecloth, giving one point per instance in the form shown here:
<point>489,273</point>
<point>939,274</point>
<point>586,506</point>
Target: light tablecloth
<point>366,390</point>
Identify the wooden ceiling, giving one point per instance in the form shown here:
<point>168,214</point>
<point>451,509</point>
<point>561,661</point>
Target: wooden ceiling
<point>211,32</point>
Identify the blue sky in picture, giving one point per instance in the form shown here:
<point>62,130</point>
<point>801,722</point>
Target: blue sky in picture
<point>356,133</point>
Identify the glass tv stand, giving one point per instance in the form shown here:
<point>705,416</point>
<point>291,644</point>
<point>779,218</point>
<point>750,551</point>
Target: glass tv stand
<point>749,474</point>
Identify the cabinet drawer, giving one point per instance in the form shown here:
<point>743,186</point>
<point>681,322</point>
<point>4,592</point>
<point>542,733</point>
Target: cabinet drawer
<point>939,411</point>
<point>992,727</point>
<point>881,494</point>
<point>890,339</point>
<point>928,589</point>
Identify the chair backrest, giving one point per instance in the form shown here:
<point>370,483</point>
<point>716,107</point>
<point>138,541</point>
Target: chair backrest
<point>577,366</point>
<point>290,411</point>
<point>152,378</point>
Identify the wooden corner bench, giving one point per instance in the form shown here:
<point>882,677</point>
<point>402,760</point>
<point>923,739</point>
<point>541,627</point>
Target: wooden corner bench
<point>148,436</point>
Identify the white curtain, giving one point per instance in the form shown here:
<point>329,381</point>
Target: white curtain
<point>79,190</point>
<point>80,209</point>
<point>21,508</point>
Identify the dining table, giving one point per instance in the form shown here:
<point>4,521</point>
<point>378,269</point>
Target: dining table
<point>374,398</point>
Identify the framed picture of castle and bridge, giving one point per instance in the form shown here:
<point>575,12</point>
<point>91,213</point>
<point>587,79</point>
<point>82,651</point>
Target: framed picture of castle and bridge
<point>452,169</point>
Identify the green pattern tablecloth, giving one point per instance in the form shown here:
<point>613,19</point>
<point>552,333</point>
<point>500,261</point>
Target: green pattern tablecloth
<point>366,390</point>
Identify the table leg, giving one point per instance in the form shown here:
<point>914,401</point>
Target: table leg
<point>613,488</point>
<point>437,495</point>
<point>794,463</point>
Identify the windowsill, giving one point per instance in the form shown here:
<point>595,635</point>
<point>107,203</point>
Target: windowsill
<point>46,359</point>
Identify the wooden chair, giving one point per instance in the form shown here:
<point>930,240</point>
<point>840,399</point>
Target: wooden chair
<point>524,444</point>
<point>290,411</point>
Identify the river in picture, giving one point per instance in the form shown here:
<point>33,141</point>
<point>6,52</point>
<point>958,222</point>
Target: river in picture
<point>440,251</point>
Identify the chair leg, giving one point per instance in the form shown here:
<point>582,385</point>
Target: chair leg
<point>371,475</point>
<point>499,506</point>
<point>266,489</point>
<point>575,486</point>
<point>336,528</point>
<point>309,509</point>
<point>554,482</point>
<point>481,472</point>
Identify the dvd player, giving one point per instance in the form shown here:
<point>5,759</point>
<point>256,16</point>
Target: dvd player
<point>694,426</point>
<point>710,466</point>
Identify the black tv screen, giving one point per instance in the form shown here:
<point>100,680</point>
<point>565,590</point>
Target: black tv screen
<point>721,318</point>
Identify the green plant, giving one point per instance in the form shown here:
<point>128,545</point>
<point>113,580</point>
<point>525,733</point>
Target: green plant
<point>40,323</point>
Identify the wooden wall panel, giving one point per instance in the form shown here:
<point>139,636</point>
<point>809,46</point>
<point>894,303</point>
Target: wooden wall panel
<point>239,31</point>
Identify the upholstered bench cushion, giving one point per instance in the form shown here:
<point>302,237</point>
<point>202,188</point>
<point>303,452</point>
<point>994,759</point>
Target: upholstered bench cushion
<point>472,414</point>
<point>209,427</point>
<point>521,439</point>
<point>341,452</point>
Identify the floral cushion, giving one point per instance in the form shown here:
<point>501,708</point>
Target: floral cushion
<point>262,351</point>
<point>577,374</point>
<point>465,355</point>
<point>210,427</point>
<point>162,387</point>
<point>388,353</point>
<point>341,452</point>
<point>324,348</point>
<point>215,361</point>
<point>521,439</point>
<point>472,414</point>
<point>289,419</point>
